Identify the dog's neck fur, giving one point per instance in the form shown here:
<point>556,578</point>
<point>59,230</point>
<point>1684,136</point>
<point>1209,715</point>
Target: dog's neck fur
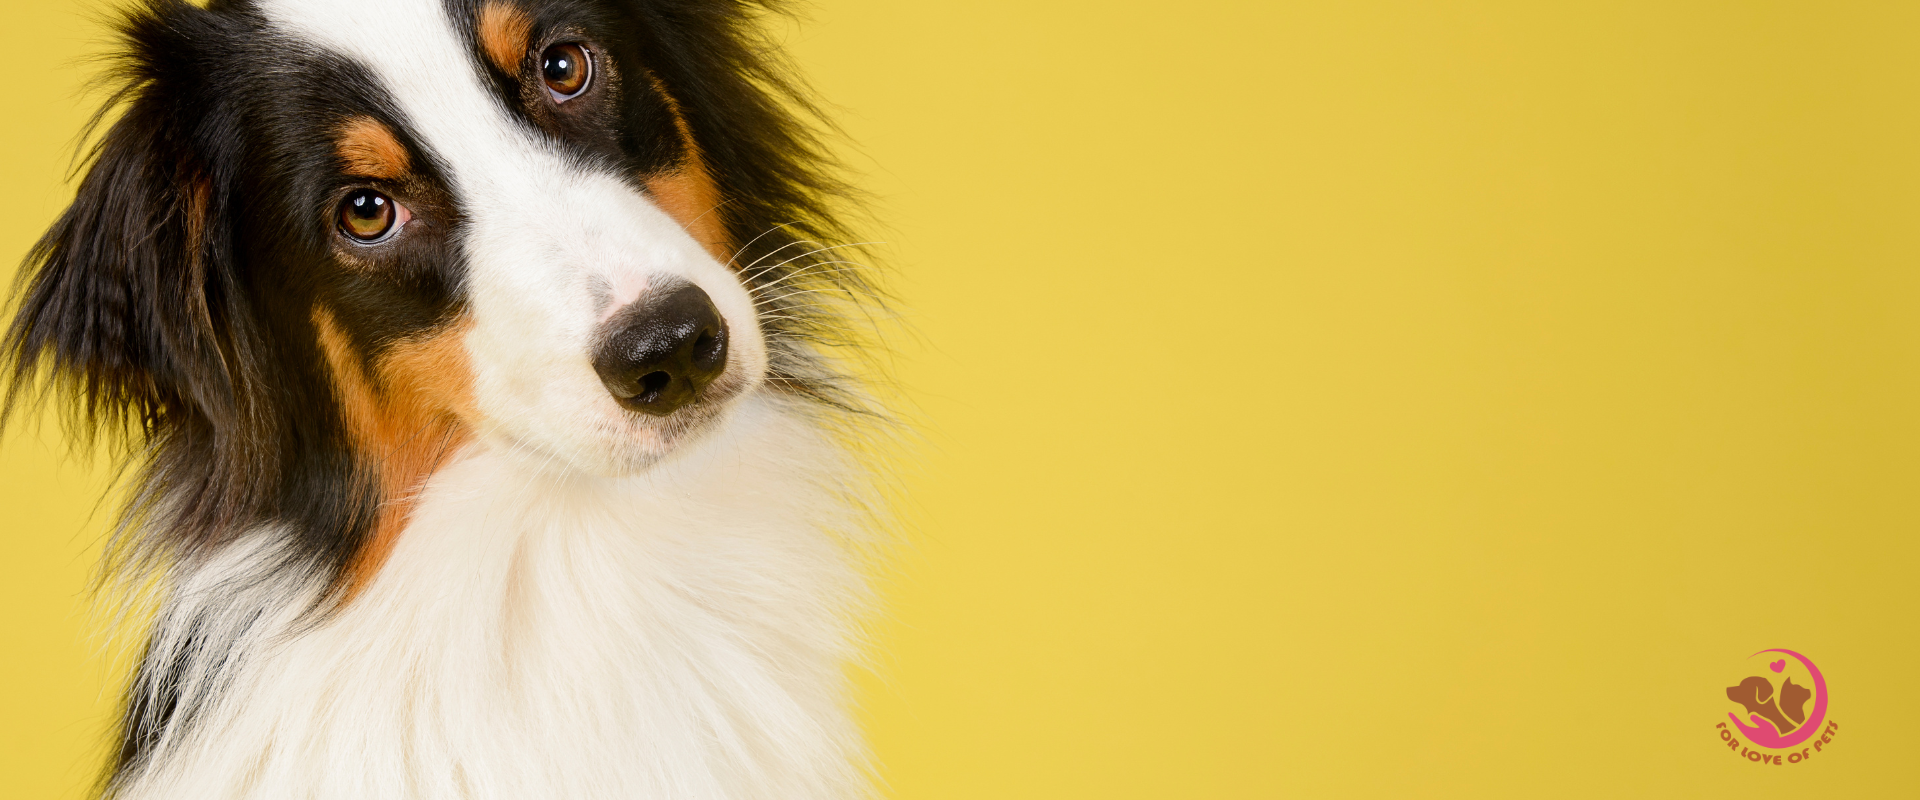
<point>679,633</point>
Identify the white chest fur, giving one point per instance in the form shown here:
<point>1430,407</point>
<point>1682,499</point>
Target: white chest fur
<point>679,634</point>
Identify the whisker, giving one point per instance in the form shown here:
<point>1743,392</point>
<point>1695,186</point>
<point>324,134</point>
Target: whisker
<point>838,307</point>
<point>743,248</point>
<point>804,306</point>
<point>716,207</point>
<point>814,324</point>
<point>808,338</point>
<point>797,293</point>
<point>810,252</point>
<point>808,270</point>
<point>769,254</point>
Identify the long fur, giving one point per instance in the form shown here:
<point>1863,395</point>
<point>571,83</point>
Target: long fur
<point>677,634</point>
<point>538,629</point>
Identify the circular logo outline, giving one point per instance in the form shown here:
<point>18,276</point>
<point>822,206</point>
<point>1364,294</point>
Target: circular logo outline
<point>1763,732</point>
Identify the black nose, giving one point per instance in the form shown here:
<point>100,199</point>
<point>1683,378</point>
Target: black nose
<point>657,354</point>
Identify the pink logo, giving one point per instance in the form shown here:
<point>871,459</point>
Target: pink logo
<point>1778,721</point>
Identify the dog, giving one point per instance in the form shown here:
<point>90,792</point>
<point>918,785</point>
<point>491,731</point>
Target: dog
<point>482,389</point>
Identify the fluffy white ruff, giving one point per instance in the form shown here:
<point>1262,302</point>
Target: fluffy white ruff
<point>675,634</point>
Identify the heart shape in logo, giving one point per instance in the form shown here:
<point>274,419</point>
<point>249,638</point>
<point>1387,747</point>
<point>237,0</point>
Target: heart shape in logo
<point>1778,666</point>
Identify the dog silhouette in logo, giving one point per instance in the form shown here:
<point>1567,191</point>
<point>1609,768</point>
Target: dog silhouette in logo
<point>1756,693</point>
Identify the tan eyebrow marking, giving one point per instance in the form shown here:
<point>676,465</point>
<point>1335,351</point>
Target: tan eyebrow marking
<point>370,150</point>
<point>504,34</point>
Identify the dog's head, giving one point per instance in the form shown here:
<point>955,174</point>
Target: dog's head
<point>329,241</point>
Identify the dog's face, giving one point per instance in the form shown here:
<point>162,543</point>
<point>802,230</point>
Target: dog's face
<point>511,226</point>
<point>330,242</point>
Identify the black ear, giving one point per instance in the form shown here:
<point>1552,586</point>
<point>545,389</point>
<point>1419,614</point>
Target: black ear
<point>125,300</point>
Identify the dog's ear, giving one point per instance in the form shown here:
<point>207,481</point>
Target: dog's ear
<point>126,302</point>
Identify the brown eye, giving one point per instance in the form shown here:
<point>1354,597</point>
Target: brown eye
<point>567,69</point>
<point>369,217</point>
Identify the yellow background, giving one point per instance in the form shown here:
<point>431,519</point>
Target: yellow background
<point>1322,399</point>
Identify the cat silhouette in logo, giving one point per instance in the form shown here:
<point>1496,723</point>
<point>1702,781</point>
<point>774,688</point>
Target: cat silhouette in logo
<point>1756,693</point>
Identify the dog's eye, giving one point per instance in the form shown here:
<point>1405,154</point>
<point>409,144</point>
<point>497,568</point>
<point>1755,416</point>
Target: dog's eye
<point>369,217</point>
<point>567,69</point>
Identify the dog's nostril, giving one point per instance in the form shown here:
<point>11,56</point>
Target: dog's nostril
<point>656,355</point>
<point>654,382</point>
<point>708,347</point>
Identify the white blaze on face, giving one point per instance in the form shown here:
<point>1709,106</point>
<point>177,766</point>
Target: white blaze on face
<point>547,239</point>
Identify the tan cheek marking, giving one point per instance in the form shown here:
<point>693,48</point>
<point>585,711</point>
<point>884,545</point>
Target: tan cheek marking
<point>405,427</point>
<point>432,372</point>
<point>504,34</point>
<point>370,150</point>
<point>688,193</point>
